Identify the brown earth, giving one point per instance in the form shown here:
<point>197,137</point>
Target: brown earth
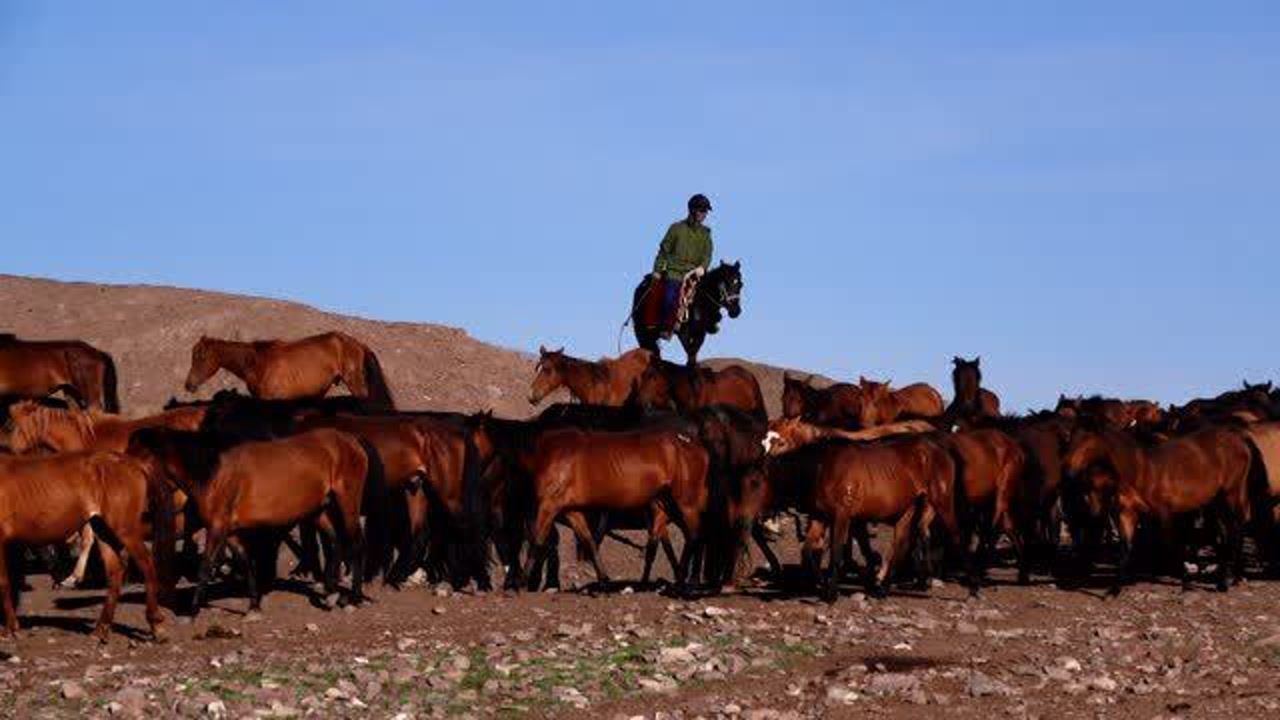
<point>1036,651</point>
<point>149,330</point>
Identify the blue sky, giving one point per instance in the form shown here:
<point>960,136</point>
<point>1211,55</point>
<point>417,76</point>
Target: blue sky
<point>1084,193</point>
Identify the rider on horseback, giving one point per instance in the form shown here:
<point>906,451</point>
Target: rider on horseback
<point>685,250</point>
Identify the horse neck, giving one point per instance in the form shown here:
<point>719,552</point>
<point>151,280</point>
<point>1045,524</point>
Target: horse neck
<point>583,377</point>
<point>237,358</point>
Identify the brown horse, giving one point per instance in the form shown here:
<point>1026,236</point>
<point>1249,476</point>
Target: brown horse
<point>36,426</point>
<point>314,477</point>
<point>839,405</point>
<point>286,370</point>
<point>35,369</point>
<point>660,470</point>
<point>971,400</point>
<point>66,430</point>
<point>1111,475</point>
<point>788,433</point>
<point>906,482</point>
<point>45,499</point>
<point>667,385</point>
<point>993,497</point>
<point>881,404</point>
<point>603,382</point>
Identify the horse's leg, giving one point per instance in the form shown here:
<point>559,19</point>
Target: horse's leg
<point>543,526</point>
<point>902,532</point>
<point>413,537</point>
<point>142,557</point>
<point>921,547</point>
<point>1228,546</point>
<point>838,539</point>
<point>869,555</point>
<point>114,567</point>
<point>1127,526</point>
<point>215,539</point>
<point>578,523</point>
<point>811,551</point>
<point>345,514</point>
<point>82,559</point>
<point>762,541</point>
<point>250,573</point>
<point>10,614</point>
<point>657,529</point>
<point>1009,525</point>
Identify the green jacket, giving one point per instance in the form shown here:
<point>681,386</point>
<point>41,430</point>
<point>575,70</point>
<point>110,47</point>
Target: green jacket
<point>683,248</point>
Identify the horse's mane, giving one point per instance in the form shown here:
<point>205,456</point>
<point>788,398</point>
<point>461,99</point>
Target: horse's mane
<point>32,421</point>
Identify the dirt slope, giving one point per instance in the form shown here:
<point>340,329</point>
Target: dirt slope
<point>149,330</point>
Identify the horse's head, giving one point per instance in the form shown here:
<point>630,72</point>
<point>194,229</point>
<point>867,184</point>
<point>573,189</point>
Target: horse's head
<point>787,434</point>
<point>795,395</point>
<point>1067,407</point>
<point>1088,478</point>
<point>723,286</point>
<point>967,378</point>
<point>874,396</point>
<point>204,363</point>
<point>547,375</point>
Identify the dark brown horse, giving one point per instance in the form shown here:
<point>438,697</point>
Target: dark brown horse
<point>314,477</point>
<point>403,448</point>
<point>603,382</point>
<point>1111,412</point>
<point>881,404</point>
<point>36,368</point>
<point>660,470</point>
<point>286,370</point>
<point>993,497</point>
<point>839,405</point>
<point>1110,475</point>
<point>666,385</point>
<point>971,400</point>
<point>44,499</point>
<point>718,292</point>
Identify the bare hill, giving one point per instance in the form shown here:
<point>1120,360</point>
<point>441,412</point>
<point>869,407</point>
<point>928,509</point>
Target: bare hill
<point>150,330</point>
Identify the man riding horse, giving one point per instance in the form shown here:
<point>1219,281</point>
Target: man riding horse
<point>685,295</point>
<point>683,256</point>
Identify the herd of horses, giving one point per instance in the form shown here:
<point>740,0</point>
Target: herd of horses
<point>360,490</point>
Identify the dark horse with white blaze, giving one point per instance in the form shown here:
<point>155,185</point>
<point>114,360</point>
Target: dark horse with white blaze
<point>719,290</point>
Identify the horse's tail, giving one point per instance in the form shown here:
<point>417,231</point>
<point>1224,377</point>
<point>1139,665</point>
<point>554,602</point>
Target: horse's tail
<point>163,528</point>
<point>475,510</point>
<point>110,392</point>
<point>376,503</point>
<point>376,382</point>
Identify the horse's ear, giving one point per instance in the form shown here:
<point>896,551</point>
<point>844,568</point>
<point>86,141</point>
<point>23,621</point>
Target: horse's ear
<point>737,264</point>
<point>977,359</point>
<point>957,360</point>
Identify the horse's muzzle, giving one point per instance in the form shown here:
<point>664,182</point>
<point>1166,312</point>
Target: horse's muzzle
<point>734,310</point>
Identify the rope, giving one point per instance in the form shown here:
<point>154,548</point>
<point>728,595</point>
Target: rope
<point>631,315</point>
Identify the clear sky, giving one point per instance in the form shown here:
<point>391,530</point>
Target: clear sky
<point>1084,193</point>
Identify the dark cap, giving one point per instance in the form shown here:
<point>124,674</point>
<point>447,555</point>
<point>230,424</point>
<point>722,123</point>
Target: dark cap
<point>699,202</point>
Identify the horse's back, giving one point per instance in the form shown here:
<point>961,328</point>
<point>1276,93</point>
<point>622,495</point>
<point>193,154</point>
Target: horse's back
<point>1266,439</point>
<point>920,399</point>
<point>45,497</point>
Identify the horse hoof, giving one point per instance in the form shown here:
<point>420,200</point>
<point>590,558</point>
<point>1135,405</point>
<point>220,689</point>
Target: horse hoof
<point>103,634</point>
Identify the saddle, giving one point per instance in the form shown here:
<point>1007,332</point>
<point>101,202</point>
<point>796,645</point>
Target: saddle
<point>651,312</point>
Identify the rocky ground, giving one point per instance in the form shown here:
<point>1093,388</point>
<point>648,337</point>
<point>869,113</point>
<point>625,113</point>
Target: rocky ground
<point>1033,651</point>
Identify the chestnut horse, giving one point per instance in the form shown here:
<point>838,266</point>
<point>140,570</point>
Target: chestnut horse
<point>1110,475</point>
<point>660,470</point>
<point>286,370</point>
<point>314,477</point>
<point>44,499</point>
<point>34,369</point>
<point>667,385</point>
<point>839,405</point>
<point>882,404</point>
<point>993,497</point>
<point>37,426</point>
<point>906,482</point>
<point>603,382</point>
<point>788,433</point>
<point>971,400</point>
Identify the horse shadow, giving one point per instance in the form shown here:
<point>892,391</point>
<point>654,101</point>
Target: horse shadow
<point>81,626</point>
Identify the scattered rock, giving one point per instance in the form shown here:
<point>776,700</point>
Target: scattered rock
<point>72,690</point>
<point>980,684</point>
